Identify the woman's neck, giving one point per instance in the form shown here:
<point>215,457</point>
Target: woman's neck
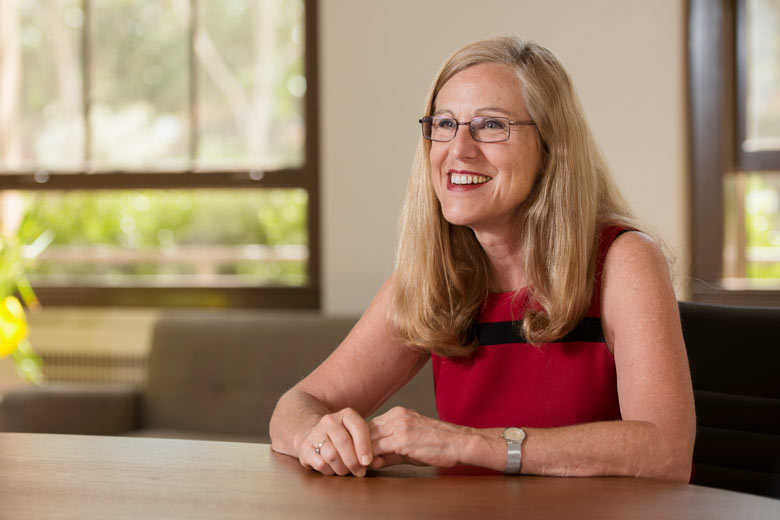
<point>505,255</point>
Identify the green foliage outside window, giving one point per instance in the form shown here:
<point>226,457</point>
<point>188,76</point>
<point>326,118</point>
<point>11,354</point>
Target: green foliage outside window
<point>166,221</point>
<point>762,221</point>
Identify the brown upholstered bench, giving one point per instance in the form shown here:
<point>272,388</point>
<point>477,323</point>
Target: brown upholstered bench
<point>212,374</point>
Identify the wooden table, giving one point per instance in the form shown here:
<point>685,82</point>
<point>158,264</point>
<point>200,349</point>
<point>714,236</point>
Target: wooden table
<point>71,476</point>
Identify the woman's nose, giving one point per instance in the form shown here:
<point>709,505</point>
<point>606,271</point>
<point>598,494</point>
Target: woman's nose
<point>463,145</point>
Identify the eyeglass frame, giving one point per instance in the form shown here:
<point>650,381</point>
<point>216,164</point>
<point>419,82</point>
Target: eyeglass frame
<point>458,124</point>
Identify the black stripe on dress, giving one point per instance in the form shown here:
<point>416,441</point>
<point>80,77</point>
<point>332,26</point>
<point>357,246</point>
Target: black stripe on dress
<point>503,332</point>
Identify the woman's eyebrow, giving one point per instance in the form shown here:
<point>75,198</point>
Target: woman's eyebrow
<point>494,109</point>
<point>442,111</point>
<point>477,111</point>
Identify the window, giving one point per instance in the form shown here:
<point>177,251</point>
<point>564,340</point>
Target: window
<point>166,149</point>
<point>734,81</point>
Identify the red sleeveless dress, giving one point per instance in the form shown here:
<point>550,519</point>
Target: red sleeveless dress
<point>508,382</point>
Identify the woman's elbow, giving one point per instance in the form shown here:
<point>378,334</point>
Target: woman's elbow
<point>676,461</point>
<point>276,430</point>
<point>273,434</point>
<point>679,471</point>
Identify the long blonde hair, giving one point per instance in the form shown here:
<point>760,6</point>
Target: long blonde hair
<point>441,275</point>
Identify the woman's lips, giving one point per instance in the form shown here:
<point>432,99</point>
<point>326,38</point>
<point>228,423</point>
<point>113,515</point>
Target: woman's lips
<point>465,180</point>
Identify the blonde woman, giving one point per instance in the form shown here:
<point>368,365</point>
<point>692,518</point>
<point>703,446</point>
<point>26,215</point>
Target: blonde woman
<point>550,318</point>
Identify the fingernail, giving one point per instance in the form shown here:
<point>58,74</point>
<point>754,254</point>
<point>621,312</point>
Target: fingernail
<point>366,460</point>
<point>361,472</point>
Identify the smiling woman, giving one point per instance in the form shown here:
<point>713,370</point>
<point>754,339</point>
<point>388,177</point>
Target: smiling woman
<point>550,319</point>
<point>560,214</point>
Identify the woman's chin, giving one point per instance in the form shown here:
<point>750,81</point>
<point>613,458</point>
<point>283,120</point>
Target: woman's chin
<point>458,219</point>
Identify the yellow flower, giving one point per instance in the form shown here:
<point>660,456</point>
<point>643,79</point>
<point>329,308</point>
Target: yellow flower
<point>13,326</point>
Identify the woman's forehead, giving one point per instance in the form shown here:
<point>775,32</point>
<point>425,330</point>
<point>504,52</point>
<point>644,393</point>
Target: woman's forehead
<point>484,87</point>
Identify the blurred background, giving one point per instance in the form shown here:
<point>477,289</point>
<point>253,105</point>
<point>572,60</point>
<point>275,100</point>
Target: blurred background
<point>254,153</point>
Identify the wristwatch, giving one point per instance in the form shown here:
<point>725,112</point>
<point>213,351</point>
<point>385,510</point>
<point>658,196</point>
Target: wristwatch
<point>514,438</point>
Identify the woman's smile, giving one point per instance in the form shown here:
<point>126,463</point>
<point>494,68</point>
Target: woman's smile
<point>465,180</point>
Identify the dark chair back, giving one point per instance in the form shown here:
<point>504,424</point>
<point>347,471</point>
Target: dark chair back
<point>734,353</point>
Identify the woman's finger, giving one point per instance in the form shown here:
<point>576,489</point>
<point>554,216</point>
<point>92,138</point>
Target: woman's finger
<point>344,446</point>
<point>361,438</point>
<point>390,459</point>
<point>330,455</point>
<point>378,462</point>
<point>319,464</point>
<point>310,458</point>
<point>320,455</point>
<point>385,445</point>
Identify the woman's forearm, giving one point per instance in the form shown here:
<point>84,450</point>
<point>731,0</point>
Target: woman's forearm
<point>626,448</point>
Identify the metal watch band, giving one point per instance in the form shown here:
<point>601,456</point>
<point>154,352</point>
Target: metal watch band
<point>514,455</point>
<point>514,449</point>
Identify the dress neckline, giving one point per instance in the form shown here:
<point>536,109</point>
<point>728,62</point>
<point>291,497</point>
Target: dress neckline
<point>519,292</point>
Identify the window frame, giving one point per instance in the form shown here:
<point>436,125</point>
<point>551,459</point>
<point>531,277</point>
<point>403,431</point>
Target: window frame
<point>764,160</point>
<point>716,100</point>
<point>305,177</point>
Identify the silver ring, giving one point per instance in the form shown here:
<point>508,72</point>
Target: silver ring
<point>319,446</point>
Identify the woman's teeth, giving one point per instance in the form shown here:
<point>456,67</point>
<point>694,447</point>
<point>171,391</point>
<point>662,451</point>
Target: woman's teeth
<point>468,179</point>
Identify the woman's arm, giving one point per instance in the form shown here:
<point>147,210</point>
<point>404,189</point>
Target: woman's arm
<point>655,438</point>
<point>329,405</point>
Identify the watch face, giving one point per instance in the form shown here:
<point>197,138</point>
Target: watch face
<point>514,434</point>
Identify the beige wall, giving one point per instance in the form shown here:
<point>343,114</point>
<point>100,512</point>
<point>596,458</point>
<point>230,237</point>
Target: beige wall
<point>376,59</point>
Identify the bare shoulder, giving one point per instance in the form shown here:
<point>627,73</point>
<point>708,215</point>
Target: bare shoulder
<point>635,262</point>
<point>635,249</point>
<point>636,290</point>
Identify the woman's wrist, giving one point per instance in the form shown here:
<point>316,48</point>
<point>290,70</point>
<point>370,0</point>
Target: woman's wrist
<point>484,447</point>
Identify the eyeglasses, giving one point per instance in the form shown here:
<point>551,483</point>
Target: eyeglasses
<point>482,129</point>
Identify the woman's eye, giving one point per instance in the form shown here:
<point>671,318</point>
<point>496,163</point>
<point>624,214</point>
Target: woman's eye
<point>444,123</point>
<point>493,124</point>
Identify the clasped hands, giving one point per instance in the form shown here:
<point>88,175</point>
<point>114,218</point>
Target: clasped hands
<point>344,443</point>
